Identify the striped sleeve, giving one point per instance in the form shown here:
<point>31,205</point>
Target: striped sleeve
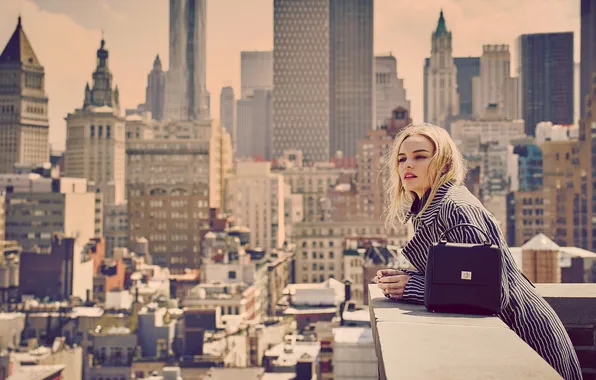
<point>414,290</point>
<point>477,216</point>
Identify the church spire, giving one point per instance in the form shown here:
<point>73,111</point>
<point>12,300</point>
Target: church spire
<point>441,27</point>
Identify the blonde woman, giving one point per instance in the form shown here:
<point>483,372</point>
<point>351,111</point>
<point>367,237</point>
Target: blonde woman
<point>425,184</point>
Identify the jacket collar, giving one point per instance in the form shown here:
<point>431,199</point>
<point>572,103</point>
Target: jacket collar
<point>433,208</point>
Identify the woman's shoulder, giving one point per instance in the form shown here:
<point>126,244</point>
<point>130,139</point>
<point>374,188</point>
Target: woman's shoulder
<point>460,200</point>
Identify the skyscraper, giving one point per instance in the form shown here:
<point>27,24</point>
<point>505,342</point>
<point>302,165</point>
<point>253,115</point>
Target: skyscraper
<point>588,51</point>
<point>227,112</point>
<point>95,135</point>
<point>186,93</point>
<point>495,69</point>
<point>301,77</point>
<point>154,98</point>
<point>389,89</point>
<point>254,125</point>
<point>467,68</point>
<point>256,72</point>
<point>323,76</point>
<point>24,125</point>
<point>546,78</point>
<point>441,98</point>
<point>352,73</point>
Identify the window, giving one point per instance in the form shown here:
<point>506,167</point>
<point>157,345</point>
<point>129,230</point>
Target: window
<point>232,275</point>
<point>92,128</point>
<point>107,131</point>
<point>99,131</point>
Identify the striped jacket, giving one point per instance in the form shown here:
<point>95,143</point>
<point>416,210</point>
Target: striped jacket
<point>523,310</point>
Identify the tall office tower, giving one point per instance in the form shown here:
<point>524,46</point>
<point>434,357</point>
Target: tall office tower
<point>24,124</point>
<point>352,73</point>
<point>495,64</point>
<point>546,78</point>
<point>389,89</point>
<point>227,112</point>
<point>467,68</point>
<point>95,135</point>
<point>186,93</point>
<point>588,51</point>
<point>322,76</point>
<point>254,125</point>
<point>301,78</point>
<point>256,72</point>
<point>154,98</point>
<point>440,79</point>
<point>586,212</point>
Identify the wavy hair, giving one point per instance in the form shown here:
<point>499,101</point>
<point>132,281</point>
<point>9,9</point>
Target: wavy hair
<point>447,165</point>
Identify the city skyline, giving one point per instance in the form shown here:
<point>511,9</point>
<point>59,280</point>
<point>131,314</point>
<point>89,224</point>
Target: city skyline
<point>68,53</point>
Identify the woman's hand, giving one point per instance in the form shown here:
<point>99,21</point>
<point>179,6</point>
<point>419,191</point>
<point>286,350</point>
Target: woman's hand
<point>392,282</point>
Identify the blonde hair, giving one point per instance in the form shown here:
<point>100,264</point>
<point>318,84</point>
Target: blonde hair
<point>447,165</point>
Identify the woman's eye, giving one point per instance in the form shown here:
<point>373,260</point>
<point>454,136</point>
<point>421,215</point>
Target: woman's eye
<point>403,159</point>
<point>420,157</point>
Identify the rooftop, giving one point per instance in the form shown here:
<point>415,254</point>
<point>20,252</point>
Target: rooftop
<point>37,372</point>
<point>287,355</point>
<point>353,335</point>
<point>234,373</point>
<point>18,48</point>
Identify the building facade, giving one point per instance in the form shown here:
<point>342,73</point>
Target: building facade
<point>494,72</point>
<point>301,78</point>
<point>24,124</point>
<point>256,72</point>
<point>352,69</point>
<point>227,112</point>
<point>254,126</point>
<point>467,68</point>
<point>442,99</point>
<point>256,197</point>
<point>186,92</point>
<point>389,89</point>
<point>372,151</point>
<point>546,78</point>
<point>588,51</point>
<point>586,233</point>
<point>172,179</point>
<point>95,135</point>
<point>155,93</point>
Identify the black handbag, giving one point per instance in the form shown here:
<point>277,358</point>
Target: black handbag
<point>463,278</point>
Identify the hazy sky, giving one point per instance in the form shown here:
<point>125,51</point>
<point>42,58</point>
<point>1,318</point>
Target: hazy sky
<point>65,35</point>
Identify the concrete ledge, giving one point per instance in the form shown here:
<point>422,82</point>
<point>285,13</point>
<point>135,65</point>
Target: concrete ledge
<point>574,303</point>
<point>412,343</point>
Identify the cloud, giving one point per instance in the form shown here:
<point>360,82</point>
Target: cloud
<point>111,13</point>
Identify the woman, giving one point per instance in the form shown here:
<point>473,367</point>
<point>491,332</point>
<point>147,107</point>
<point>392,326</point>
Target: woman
<point>425,183</point>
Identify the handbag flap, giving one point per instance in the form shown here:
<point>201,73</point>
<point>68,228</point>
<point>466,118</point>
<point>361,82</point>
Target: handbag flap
<point>465,264</point>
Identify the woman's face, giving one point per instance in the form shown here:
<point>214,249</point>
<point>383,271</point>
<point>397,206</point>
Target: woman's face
<point>413,163</point>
